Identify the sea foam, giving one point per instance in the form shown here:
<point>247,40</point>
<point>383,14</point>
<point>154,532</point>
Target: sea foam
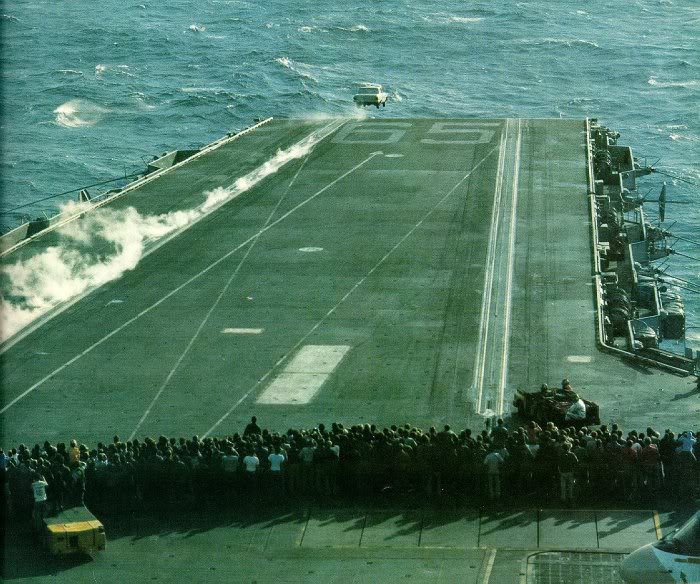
<point>78,113</point>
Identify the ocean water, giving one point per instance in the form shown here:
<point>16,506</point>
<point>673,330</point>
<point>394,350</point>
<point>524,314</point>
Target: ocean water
<point>90,91</point>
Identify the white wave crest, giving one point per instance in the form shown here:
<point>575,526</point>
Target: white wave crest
<point>688,83</point>
<point>78,113</point>
<point>465,19</point>
<point>559,41</point>
<point>353,28</point>
<point>301,69</point>
<point>73,266</point>
<point>675,136</point>
<point>101,69</point>
<point>70,72</point>
<point>197,27</point>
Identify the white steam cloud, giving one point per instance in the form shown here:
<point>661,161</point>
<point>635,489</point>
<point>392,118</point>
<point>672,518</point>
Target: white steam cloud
<point>103,244</point>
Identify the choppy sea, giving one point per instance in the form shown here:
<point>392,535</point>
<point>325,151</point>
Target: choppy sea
<point>90,90</point>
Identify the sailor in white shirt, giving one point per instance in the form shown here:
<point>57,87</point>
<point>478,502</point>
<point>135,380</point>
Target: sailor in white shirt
<point>576,411</point>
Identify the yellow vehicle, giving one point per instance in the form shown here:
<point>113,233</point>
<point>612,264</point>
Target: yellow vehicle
<point>73,530</point>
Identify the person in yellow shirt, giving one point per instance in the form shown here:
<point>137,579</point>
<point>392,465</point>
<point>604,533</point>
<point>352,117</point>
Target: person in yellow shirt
<point>73,453</point>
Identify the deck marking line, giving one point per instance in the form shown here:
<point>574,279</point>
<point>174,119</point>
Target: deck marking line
<point>494,328</point>
<point>215,304</point>
<point>184,284</point>
<point>41,321</point>
<point>304,375</point>
<point>490,559</point>
<point>344,298</point>
<point>243,331</point>
<point>523,571</point>
<point>480,358</point>
<point>509,278</point>
<point>657,525</point>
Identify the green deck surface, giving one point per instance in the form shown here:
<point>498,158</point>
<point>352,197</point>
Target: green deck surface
<point>404,227</point>
<point>383,245</point>
<point>326,544</point>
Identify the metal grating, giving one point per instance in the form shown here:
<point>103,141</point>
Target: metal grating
<point>574,568</point>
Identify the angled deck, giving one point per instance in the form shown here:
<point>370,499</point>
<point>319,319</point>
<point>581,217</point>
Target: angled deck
<point>401,271</point>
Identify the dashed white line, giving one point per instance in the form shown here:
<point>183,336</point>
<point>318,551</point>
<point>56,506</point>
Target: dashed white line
<point>243,331</point>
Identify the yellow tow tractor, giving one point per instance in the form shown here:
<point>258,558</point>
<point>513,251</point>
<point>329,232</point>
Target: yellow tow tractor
<point>73,530</point>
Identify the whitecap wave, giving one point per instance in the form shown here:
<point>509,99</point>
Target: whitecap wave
<point>78,113</point>
<point>197,27</point>
<point>203,90</point>
<point>559,41</point>
<point>74,72</point>
<point>301,69</point>
<point>675,136</point>
<point>354,28</point>
<point>465,19</point>
<point>688,83</point>
<point>101,69</point>
<point>140,99</point>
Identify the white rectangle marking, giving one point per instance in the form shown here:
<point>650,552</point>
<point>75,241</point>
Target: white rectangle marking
<point>304,375</point>
<point>242,331</point>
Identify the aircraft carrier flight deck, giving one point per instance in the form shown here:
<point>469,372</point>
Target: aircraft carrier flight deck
<point>372,271</point>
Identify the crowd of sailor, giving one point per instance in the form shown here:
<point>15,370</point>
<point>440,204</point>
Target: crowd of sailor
<point>526,464</point>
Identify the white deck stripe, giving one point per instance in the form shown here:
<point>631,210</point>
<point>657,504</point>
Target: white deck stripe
<point>304,375</point>
<point>183,285</point>
<point>480,358</point>
<point>344,298</point>
<point>492,356</point>
<point>491,558</point>
<point>243,331</point>
<point>509,279</point>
